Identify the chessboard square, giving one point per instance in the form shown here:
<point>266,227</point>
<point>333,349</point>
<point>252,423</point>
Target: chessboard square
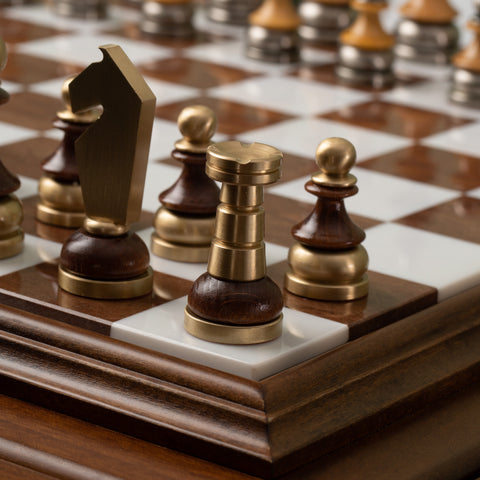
<point>302,136</point>
<point>11,133</point>
<point>289,95</point>
<point>167,92</point>
<point>155,171</point>
<point>396,119</point>
<point>464,140</point>
<point>35,250</point>
<point>457,218</point>
<point>419,256</point>
<point>304,336</point>
<point>430,165</point>
<point>232,118</point>
<point>86,51</point>
<point>432,96</point>
<point>16,31</point>
<point>27,69</point>
<point>28,187</point>
<point>25,157</point>
<point>30,110</point>
<point>193,73</point>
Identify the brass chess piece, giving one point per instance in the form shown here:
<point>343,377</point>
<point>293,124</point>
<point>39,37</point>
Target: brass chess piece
<point>104,259</point>
<point>235,302</point>
<point>86,9</point>
<point>327,261</point>
<point>272,35</point>
<point>171,18</point>
<point>184,224</point>
<point>11,210</point>
<point>426,32</point>
<point>365,55</point>
<point>231,11</point>
<point>60,195</point>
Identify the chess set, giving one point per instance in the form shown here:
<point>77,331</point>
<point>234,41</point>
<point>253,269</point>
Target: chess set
<point>412,153</point>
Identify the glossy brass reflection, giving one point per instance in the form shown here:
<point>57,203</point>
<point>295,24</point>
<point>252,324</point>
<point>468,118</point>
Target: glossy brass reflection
<point>11,235</point>
<point>231,334</point>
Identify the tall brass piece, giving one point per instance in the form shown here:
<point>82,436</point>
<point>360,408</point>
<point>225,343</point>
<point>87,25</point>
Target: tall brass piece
<point>11,210</point>
<point>327,261</point>
<point>104,259</point>
<point>234,301</point>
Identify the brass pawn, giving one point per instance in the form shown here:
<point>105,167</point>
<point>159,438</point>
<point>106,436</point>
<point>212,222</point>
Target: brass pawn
<point>185,222</point>
<point>61,200</point>
<point>327,261</point>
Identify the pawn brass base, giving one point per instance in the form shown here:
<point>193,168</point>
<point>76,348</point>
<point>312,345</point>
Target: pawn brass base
<point>11,245</point>
<point>59,218</point>
<point>179,252</point>
<point>231,334</point>
<point>336,293</point>
<point>105,289</point>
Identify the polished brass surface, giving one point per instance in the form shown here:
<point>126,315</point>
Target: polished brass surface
<point>238,251</point>
<point>233,335</point>
<point>104,228</point>
<point>197,124</point>
<point>186,230</point>
<point>106,289</point>
<point>335,157</point>
<point>60,203</point>
<point>3,54</point>
<point>89,115</point>
<point>243,163</point>
<point>337,267</point>
<point>178,252</point>
<point>11,235</point>
<point>112,154</point>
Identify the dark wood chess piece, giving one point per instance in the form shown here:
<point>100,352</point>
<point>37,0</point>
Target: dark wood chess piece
<point>327,261</point>
<point>184,224</point>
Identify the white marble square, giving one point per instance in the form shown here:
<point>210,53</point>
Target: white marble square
<point>445,263</point>
<point>35,250</point>
<point>11,133</point>
<point>474,193</point>
<point>290,95</point>
<point>160,176</point>
<point>28,187</point>
<point>464,139</point>
<point>431,96</point>
<point>161,329</point>
<point>394,197</point>
<point>82,48</point>
<point>169,93</point>
<point>302,136</point>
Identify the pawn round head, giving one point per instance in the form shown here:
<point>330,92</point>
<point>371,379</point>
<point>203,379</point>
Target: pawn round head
<point>197,124</point>
<point>335,157</point>
<point>85,116</point>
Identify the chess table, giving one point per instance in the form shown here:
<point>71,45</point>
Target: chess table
<point>386,386</point>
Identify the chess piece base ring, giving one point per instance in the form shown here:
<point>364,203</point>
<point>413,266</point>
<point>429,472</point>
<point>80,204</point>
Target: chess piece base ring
<point>232,334</point>
<point>106,289</point>
<point>179,252</point>
<point>336,293</point>
<point>59,218</point>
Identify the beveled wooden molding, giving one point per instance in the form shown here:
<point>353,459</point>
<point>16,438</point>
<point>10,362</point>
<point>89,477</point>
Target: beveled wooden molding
<point>265,428</point>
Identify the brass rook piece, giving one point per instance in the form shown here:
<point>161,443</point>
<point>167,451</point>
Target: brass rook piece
<point>104,259</point>
<point>327,261</point>
<point>234,301</point>
<point>60,196</point>
<point>11,210</point>
<point>184,223</point>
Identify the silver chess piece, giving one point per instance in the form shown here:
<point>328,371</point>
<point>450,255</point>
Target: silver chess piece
<point>231,11</point>
<point>365,54</point>
<point>427,33</point>
<point>465,87</point>
<point>322,21</point>
<point>169,18</point>
<point>86,9</point>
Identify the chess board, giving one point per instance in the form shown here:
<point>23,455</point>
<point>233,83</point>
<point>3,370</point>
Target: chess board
<point>418,171</point>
